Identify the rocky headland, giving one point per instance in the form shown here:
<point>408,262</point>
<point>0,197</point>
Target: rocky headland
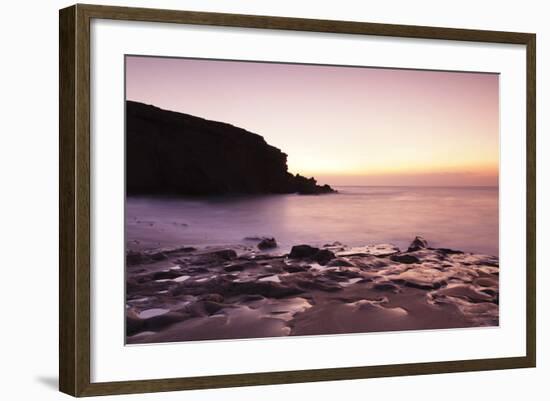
<point>170,153</point>
<point>184,294</point>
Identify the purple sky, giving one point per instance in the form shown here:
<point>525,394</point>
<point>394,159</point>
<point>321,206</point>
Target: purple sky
<point>343,125</point>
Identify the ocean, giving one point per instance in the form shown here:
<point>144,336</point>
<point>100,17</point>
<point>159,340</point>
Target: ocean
<point>463,218</point>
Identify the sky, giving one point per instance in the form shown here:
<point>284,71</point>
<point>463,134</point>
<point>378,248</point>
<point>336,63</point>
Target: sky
<point>342,125</point>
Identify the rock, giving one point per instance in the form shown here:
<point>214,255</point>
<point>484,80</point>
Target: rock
<point>275,266</point>
<point>161,321</point>
<point>385,286</point>
<point>252,297</point>
<point>195,309</point>
<point>267,289</point>
<point>333,244</point>
<point>424,278</point>
<point>213,298</point>
<point>195,270</point>
<point>308,186</point>
<point>490,291</point>
<point>262,256</point>
<point>234,268</point>
<point>302,251</point>
<point>486,282</point>
<point>132,285</point>
<point>340,262</point>
<point>185,249</point>
<point>166,274</point>
<point>296,268</point>
<point>201,308</point>
<point>180,154</point>
<point>240,266</point>
<point>448,251</point>
<point>344,273</point>
<point>417,244</point>
<point>212,307</point>
<point>226,254</point>
<point>135,258</point>
<point>267,243</point>
<point>322,285</point>
<point>228,288</point>
<point>133,323</point>
<point>466,292</point>
<point>158,256</point>
<point>371,262</point>
<point>215,256</point>
<point>323,256</point>
<point>404,258</point>
<point>307,281</point>
<point>328,287</point>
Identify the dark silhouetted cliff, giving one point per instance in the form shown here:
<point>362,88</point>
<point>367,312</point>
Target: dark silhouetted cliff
<point>176,153</point>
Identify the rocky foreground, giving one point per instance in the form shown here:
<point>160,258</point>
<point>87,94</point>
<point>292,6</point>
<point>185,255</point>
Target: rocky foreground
<point>243,292</point>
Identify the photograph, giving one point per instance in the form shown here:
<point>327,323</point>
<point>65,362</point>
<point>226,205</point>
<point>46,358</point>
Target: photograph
<point>268,199</point>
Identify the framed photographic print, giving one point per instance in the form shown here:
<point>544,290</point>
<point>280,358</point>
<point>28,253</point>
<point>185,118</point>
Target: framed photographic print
<point>284,193</point>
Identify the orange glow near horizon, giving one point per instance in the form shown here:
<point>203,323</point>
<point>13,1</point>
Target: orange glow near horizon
<point>480,165</point>
<point>402,167</point>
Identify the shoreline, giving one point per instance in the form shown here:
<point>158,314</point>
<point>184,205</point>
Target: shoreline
<point>188,293</point>
<point>459,219</point>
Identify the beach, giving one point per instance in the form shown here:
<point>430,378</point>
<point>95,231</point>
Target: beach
<point>212,293</point>
<point>363,259</point>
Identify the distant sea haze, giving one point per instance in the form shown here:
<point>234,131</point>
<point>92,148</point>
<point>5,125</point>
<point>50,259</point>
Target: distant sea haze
<point>463,218</point>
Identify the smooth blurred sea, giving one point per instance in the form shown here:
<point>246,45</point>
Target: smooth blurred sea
<point>464,218</point>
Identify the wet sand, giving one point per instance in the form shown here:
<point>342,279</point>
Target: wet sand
<point>185,294</point>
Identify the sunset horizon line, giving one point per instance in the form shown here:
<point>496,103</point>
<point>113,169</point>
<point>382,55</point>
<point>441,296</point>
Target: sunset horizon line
<point>490,171</point>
